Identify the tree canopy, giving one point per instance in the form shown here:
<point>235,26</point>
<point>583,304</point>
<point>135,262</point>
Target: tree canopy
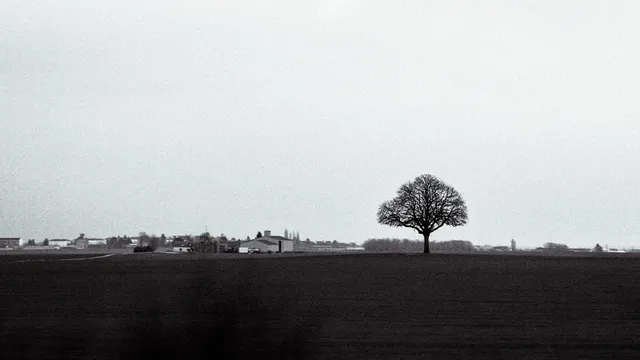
<point>425,204</point>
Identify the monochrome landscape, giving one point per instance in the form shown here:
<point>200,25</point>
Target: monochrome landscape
<point>319,179</point>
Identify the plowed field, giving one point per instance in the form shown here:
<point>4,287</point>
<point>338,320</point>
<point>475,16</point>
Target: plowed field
<point>319,307</point>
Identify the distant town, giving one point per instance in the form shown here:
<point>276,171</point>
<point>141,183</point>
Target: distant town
<point>267,243</point>
<point>262,242</point>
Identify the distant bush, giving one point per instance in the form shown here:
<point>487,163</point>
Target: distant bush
<point>453,246</point>
<point>269,252</point>
<point>555,247</point>
<point>118,242</point>
<point>415,246</point>
<point>143,249</point>
<point>393,245</point>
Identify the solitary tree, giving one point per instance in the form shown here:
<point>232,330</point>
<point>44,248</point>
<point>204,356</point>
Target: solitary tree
<point>258,235</point>
<point>425,204</point>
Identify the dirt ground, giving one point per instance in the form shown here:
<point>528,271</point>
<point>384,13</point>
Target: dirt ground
<point>359,306</point>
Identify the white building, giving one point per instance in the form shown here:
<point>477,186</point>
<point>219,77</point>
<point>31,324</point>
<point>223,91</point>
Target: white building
<point>182,249</point>
<point>355,248</point>
<point>97,241</point>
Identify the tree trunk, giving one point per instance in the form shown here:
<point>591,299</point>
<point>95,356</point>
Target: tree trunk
<point>426,243</point>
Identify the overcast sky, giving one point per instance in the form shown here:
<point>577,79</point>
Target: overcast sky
<point>169,116</point>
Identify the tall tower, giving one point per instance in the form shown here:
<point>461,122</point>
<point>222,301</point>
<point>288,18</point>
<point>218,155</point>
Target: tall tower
<point>513,245</point>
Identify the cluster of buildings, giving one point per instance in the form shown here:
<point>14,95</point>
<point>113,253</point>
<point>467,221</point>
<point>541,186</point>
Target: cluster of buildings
<point>551,247</point>
<point>263,243</point>
<point>80,243</point>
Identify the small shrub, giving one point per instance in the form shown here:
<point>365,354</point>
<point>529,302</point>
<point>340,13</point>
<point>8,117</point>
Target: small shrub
<point>143,249</point>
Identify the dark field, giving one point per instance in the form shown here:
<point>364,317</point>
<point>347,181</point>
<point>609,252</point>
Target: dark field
<point>320,307</point>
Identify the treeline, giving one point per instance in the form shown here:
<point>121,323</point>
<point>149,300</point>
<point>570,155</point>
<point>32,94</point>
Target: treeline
<point>555,247</point>
<point>118,242</point>
<point>415,246</point>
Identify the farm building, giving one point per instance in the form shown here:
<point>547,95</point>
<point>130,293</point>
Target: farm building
<point>355,248</point>
<point>182,249</point>
<point>82,243</point>
<point>584,250</point>
<point>92,242</point>
<point>11,243</point>
<point>269,242</point>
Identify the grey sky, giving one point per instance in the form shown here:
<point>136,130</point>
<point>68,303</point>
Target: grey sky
<point>166,116</point>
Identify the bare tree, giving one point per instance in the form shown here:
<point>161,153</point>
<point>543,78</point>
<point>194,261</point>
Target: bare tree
<point>425,204</point>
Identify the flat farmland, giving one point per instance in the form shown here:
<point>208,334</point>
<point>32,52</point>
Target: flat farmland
<point>360,306</point>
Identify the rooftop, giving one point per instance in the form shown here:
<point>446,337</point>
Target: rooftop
<point>274,237</point>
<point>266,242</point>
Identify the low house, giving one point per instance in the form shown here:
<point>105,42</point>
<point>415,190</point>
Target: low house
<point>182,249</point>
<point>501,248</point>
<point>321,247</point>
<point>355,248</point>
<point>11,243</point>
<point>59,242</point>
<point>583,250</point>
